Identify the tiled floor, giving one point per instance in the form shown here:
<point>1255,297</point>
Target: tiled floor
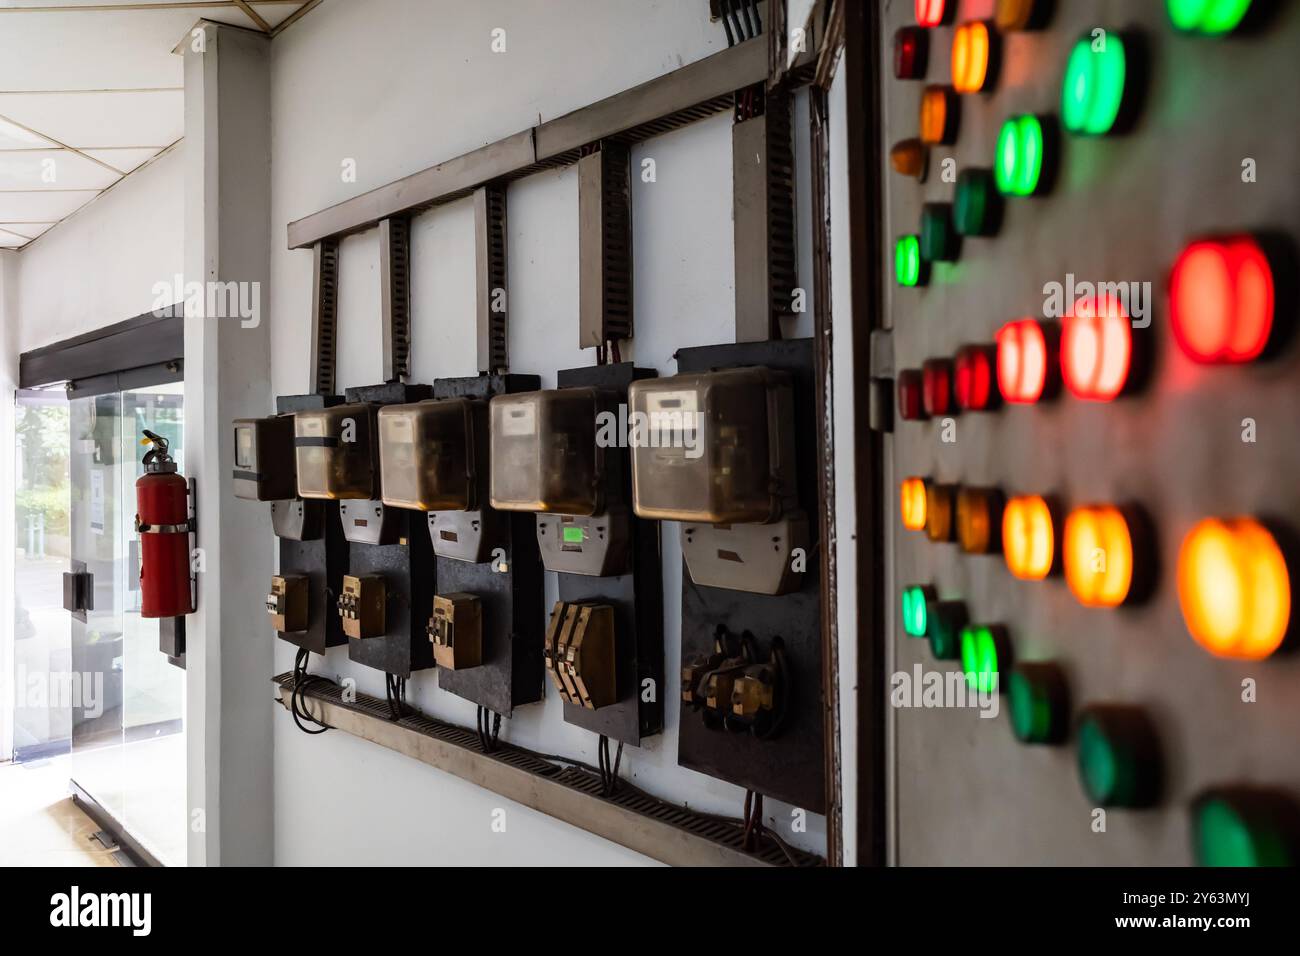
<point>39,823</point>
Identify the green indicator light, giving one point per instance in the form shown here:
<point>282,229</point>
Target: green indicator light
<point>938,242</point>
<point>572,535</point>
<point>980,650</point>
<point>1018,168</point>
<point>907,261</point>
<point>1118,761</point>
<point>975,208</point>
<point>915,610</point>
<point>1212,17</point>
<point>1036,695</point>
<point>946,620</point>
<point>1093,91</point>
<point>1239,830</point>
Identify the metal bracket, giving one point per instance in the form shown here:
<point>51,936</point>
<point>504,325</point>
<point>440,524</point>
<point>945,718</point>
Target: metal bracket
<point>604,246</point>
<point>395,288</point>
<point>324,315</point>
<point>490,278</point>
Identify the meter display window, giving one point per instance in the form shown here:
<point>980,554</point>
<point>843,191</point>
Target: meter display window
<point>335,452</point>
<point>427,454</point>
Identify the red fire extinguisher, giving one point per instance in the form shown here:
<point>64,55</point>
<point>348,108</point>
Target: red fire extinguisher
<point>163,521</point>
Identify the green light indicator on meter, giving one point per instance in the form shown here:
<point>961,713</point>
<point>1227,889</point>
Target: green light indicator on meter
<point>981,649</point>
<point>1018,167</point>
<point>907,261</point>
<point>1093,91</point>
<point>572,535</point>
<point>915,610</point>
<point>1211,17</point>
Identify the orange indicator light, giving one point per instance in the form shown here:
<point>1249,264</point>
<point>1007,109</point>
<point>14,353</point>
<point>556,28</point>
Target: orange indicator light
<point>1098,556</point>
<point>1234,588</point>
<point>1028,537</point>
<point>911,498</point>
<point>971,53</point>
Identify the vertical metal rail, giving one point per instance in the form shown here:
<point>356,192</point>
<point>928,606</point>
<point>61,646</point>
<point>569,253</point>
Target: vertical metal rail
<point>490,245</point>
<point>324,316</point>
<point>762,156</point>
<point>823,341</point>
<point>604,246</point>
<point>395,291</point>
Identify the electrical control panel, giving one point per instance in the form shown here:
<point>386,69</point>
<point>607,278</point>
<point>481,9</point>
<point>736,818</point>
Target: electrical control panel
<point>265,466</point>
<point>1090,222</point>
<point>715,451</point>
<point>491,555</point>
<point>751,676</point>
<point>386,545</point>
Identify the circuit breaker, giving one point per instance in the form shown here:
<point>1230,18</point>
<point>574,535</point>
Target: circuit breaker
<point>265,467</point>
<point>362,606</point>
<point>715,451</point>
<point>549,457</point>
<point>287,603</point>
<point>580,654</point>
<point>456,629</point>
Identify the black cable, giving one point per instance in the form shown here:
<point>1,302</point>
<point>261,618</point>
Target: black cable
<point>301,681</point>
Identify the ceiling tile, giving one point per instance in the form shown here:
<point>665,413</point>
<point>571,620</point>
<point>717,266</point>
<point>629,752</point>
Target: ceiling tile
<point>125,159</point>
<point>42,206</point>
<point>100,119</point>
<point>53,169</point>
<point>31,230</point>
<point>15,137</point>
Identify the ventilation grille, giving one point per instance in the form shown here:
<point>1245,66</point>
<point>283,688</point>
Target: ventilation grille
<point>395,267</point>
<point>616,230</point>
<point>720,830</point>
<point>325,317</point>
<point>782,268</point>
<point>495,251</point>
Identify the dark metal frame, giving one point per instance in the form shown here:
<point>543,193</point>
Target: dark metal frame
<point>97,360</point>
<point>127,844</point>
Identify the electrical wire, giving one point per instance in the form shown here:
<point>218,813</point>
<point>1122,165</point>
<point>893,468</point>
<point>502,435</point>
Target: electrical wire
<point>395,695</point>
<point>301,681</point>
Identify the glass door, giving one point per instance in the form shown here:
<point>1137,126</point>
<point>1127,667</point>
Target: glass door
<point>127,732</point>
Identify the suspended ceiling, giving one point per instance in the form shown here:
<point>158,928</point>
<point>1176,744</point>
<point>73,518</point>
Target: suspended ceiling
<point>90,91</point>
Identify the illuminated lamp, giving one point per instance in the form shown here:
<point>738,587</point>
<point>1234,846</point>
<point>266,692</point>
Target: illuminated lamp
<point>908,157</point>
<point>1026,361</point>
<point>1104,550</point>
<point>977,205</point>
<point>985,652</point>
<point>911,51</point>
<point>916,600</point>
<point>1239,826</point>
<point>1029,537</point>
<point>946,619</point>
<point>939,241</point>
<point>1099,83</point>
<point>936,387</point>
<point>979,520</point>
<point>911,501</point>
<point>909,268</point>
<point>1021,14</point>
<point>1119,756</point>
<point>1096,348</point>
<point>973,378</point>
<point>1025,156</point>
<point>1038,699</point>
<point>939,115</point>
<point>1234,588</point>
<point>1221,300</point>
<point>939,506</point>
<point>974,57</point>
<point>931,13</point>
<point>911,407</point>
<point>1211,17</point>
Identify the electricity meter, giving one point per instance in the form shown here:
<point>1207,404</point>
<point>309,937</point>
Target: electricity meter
<point>427,454</point>
<point>715,450</point>
<point>549,456</point>
<point>264,459</point>
<point>335,449</point>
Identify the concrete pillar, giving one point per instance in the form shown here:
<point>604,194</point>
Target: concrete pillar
<point>227,376</point>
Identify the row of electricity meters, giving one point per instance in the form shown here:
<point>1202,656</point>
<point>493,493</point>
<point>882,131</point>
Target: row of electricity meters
<point>713,450</point>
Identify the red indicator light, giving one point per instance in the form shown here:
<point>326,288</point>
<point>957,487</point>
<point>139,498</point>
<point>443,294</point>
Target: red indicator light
<point>936,386</point>
<point>1221,300</point>
<point>911,49</point>
<point>1096,348</point>
<point>1025,359</point>
<point>911,406</point>
<point>973,378</point>
<point>930,13</point>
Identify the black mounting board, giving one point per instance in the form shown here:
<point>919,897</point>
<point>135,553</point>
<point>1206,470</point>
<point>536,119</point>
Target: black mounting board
<point>324,560</point>
<point>790,766</point>
<point>514,619</point>
<point>407,567</point>
<point>637,598</point>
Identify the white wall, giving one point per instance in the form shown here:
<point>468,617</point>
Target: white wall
<point>397,86</point>
<point>100,265</point>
